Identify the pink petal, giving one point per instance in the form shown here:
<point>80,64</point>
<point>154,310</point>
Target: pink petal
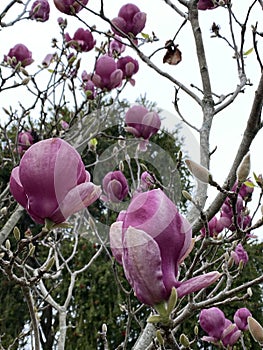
<point>197,283</point>
<point>142,266</point>
<point>116,241</point>
<point>76,199</point>
<point>17,189</point>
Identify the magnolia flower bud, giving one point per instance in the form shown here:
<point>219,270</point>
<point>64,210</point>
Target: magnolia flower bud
<point>200,172</point>
<point>16,233</point>
<point>244,169</point>
<point>187,195</point>
<point>255,330</point>
<point>184,340</point>
<point>3,210</point>
<point>249,292</point>
<point>7,244</point>
<point>104,328</point>
<point>32,249</point>
<point>50,263</point>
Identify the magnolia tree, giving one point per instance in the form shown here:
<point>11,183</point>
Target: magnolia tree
<point>173,258</point>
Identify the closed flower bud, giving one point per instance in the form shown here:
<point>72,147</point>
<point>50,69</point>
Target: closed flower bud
<point>16,233</point>
<point>240,318</point>
<point>32,249</point>
<point>115,186</point>
<point>249,292</point>
<point>187,195</point>
<point>199,172</point>
<point>50,263</point>
<point>26,81</point>
<point>184,340</point>
<point>104,328</point>
<point>255,329</point>
<point>244,169</point>
<point>3,211</point>
<point>7,244</point>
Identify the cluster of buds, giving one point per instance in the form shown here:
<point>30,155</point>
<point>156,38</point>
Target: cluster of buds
<point>111,69</point>
<point>226,218</point>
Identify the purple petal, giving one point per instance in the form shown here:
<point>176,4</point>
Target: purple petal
<point>197,283</point>
<point>17,189</point>
<point>142,266</point>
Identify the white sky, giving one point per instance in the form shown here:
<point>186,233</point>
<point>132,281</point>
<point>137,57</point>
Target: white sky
<point>228,125</point>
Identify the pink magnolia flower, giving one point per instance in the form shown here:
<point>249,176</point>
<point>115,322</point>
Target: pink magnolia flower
<point>243,220</point>
<point>130,20</point>
<point>150,240</point>
<point>239,254</point>
<point>245,191</point>
<point>212,321</point>
<point>19,53</point>
<point>25,140</point>
<point>240,318</point>
<point>82,40</point>
<point>107,76</point>
<point>88,85</point>
<point>49,58</point>
<point>70,7</point>
<point>115,186</point>
<point>116,47</point>
<point>231,334</point>
<point>206,5</point>
<point>147,181</point>
<point>51,182</point>
<point>64,125</point>
<point>215,226</point>
<point>142,123</point>
<point>40,10</point>
<point>129,67</point>
<point>218,328</point>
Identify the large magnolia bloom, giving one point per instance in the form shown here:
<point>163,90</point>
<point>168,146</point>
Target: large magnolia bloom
<point>51,181</point>
<point>150,240</point>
